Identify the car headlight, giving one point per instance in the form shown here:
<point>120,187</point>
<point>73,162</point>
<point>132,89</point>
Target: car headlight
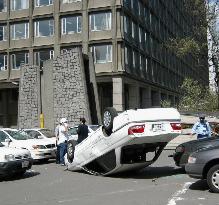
<point>191,160</point>
<point>38,146</point>
<point>9,157</point>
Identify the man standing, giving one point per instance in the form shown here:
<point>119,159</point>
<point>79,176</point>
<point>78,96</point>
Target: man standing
<point>82,130</point>
<point>201,128</point>
<point>63,138</point>
<point>57,146</point>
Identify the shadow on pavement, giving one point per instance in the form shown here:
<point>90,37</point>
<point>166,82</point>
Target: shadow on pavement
<point>200,185</point>
<point>44,161</point>
<point>26,175</point>
<point>151,173</point>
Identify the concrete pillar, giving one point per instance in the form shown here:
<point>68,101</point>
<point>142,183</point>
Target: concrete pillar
<point>85,27</point>
<point>56,28</point>
<point>146,98</point>
<point>133,96</point>
<point>118,94</point>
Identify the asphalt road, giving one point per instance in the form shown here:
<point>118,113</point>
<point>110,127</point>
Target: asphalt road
<point>161,184</point>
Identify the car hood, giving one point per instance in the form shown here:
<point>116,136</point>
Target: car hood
<point>30,142</point>
<point>14,151</point>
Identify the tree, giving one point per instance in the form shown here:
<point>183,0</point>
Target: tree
<point>205,14</point>
<point>195,97</point>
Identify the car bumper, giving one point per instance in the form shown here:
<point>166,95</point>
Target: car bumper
<point>13,167</point>
<point>195,170</point>
<point>43,154</point>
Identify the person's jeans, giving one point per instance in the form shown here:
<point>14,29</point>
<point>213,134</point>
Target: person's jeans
<point>63,150</point>
<point>199,136</point>
<point>57,155</point>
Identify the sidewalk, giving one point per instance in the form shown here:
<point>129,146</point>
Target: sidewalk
<point>179,140</point>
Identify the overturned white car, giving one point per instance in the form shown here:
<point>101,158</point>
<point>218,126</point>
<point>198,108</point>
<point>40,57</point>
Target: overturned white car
<point>131,140</point>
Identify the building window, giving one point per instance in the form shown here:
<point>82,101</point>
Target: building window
<point>100,21</point>
<point>69,1</point>
<point>3,5</point>
<point>19,4</point>
<point>39,3</point>
<point>71,24</point>
<point>3,62</point>
<point>102,53</point>
<point>18,59</point>
<point>19,31</point>
<point>43,55</point>
<point>44,28</point>
<point>3,34</point>
<point>127,25</point>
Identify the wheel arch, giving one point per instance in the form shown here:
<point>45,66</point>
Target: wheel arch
<point>210,164</point>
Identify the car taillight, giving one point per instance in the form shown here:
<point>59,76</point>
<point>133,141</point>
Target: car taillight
<point>176,126</point>
<point>136,129</point>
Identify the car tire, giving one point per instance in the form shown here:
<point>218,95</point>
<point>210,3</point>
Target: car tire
<point>71,150</point>
<point>212,181</point>
<point>108,115</point>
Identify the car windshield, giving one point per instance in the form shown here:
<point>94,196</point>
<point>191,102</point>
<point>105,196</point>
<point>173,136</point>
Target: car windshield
<point>47,133</point>
<point>73,130</point>
<point>18,135</point>
<point>94,127</point>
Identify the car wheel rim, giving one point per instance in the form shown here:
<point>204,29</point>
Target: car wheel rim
<point>70,148</point>
<point>107,118</point>
<point>215,179</point>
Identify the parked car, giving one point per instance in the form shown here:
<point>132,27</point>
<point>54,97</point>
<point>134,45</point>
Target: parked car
<point>73,131</point>
<point>191,144</point>
<point>41,133</point>
<point>40,149</point>
<point>183,151</point>
<point>14,161</point>
<point>204,164</point>
<point>130,140</point>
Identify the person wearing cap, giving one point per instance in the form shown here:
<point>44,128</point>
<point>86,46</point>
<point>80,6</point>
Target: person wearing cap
<point>62,139</point>
<point>201,128</point>
<point>82,130</point>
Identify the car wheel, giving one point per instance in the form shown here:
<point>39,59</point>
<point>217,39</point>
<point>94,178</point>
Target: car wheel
<point>213,179</point>
<point>70,150</point>
<point>108,115</point>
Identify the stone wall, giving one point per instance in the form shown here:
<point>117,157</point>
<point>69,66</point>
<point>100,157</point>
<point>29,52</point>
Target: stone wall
<point>68,89</point>
<point>29,97</point>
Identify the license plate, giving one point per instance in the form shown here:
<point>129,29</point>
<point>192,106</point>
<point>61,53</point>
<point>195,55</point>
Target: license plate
<point>25,164</point>
<point>157,127</point>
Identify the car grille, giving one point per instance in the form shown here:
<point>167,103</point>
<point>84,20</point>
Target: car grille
<point>49,146</point>
<point>18,157</point>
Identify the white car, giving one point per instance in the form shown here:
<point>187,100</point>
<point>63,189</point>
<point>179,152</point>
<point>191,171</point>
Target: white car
<point>14,161</point>
<point>73,135</point>
<point>131,140</point>
<point>41,133</point>
<point>40,149</point>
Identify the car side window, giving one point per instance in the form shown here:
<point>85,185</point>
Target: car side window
<point>33,134</point>
<point>3,136</point>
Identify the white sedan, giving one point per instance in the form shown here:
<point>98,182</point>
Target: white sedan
<point>14,161</point>
<point>40,149</point>
<point>41,133</point>
<point>131,140</point>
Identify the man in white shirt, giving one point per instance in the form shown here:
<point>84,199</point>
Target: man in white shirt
<point>62,140</point>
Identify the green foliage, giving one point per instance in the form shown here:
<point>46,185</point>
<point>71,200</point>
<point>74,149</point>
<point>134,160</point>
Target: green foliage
<point>165,103</point>
<point>197,98</point>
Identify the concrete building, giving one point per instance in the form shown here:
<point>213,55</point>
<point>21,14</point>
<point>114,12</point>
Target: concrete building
<point>127,38</point>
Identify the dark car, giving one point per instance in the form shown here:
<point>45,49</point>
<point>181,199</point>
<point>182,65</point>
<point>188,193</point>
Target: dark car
<point>183,150</point>
<point>204,164</point>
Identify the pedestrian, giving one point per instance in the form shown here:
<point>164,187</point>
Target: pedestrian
<point>82,130</point>
<point>57,146</point>
<point>63,138</point>
<point>201,128</point>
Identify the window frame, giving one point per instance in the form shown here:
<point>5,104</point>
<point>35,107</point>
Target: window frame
<point>5,63</point>
<point>36,28</point>
<point>92,18</point>
<point>13,29</point>
<point>13,5</point>
<point>64,23</point>
<point>37,3</point>
<point>109,56</point>
<point>13,60</point>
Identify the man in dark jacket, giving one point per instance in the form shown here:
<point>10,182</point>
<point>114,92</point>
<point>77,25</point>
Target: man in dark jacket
<point>82,130</point>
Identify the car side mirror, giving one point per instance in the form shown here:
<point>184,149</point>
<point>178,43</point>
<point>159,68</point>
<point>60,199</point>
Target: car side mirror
<point>7,141</point>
